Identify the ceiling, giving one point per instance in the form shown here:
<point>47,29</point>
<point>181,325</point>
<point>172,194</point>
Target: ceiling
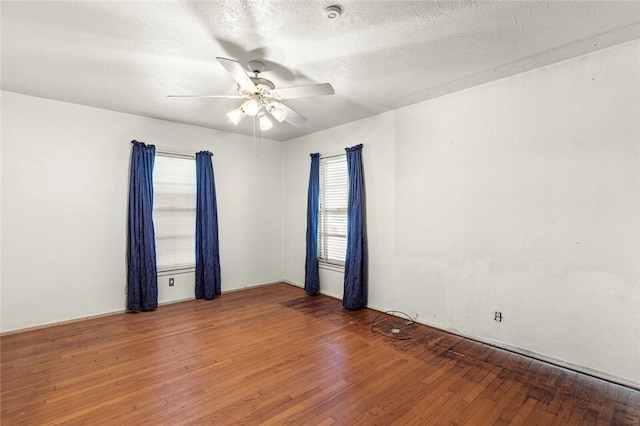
<point>379,55</point>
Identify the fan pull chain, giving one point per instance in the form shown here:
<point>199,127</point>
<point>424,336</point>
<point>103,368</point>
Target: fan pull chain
<point>254,130</point>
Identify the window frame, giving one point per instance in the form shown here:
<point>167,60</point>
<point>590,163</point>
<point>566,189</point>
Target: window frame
<point>175,267</point>
<point>324,245</point>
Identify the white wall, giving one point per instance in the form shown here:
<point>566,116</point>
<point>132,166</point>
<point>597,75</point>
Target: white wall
<point>64,181</point>
<point>520,196</point>
<point>1,236</point>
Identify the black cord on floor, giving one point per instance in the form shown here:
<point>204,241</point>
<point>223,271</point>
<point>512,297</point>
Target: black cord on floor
<point>392,335</point>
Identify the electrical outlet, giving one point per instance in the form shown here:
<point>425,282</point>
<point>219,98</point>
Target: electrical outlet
<point>171,282</point>
<point>497,316</point>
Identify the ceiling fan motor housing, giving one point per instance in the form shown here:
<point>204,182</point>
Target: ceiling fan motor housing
<point>256,66</point>
<point>263,83</point>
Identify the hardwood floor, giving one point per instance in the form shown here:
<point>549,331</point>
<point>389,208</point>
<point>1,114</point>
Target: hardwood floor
<point>274,355</point>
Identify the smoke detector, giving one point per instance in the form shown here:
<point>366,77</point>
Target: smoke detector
<point>333,12</point>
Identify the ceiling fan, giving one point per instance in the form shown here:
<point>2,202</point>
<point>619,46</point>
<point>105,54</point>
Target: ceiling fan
<point>263,99</point>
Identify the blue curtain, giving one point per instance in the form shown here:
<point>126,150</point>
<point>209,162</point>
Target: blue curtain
<point>311,275</point>
<point>207,249</point>
<point>142,277</point>
<point>355,268</point>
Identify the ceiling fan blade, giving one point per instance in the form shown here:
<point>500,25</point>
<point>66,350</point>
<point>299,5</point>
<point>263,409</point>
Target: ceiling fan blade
<point>239,75</point>
<point>292,117</point>
<point>206,96</point>
<point>304,91</point>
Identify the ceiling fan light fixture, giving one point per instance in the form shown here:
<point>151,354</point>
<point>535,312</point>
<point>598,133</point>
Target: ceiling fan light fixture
<point>278,113</point>
<point>251,107</point>
<point>260,98</point>
<point>265,123</point>
<point>236,115</point>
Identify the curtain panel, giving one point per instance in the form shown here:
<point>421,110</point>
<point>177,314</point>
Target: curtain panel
<point>208,284</point>
<point>355,268</point>
<point>142,277</point>
<point>311,273</point>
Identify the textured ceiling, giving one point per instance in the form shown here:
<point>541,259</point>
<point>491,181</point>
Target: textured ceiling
<point>380,55</point>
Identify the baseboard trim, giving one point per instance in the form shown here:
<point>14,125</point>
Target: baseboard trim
<point>558,362</point>
<point>292,283</point>
<point>119,311</point>
<point>570,365</point>
<point>65,322</point>
<point>233,290</point>
<point>518,350</point>
<point>481,339</point>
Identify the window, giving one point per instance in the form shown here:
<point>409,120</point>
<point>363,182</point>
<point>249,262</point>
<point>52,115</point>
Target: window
<point>332,217</point>
<point>174,212</point>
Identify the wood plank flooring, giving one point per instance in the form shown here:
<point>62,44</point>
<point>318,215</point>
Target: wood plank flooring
<point>273,355</point>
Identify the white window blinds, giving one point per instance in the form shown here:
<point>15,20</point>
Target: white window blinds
<point>174,212</point>
<point>332,217</point>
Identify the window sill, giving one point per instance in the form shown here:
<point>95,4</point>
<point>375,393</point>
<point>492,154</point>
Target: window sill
<point>176,270</point>
<point>331,266</point>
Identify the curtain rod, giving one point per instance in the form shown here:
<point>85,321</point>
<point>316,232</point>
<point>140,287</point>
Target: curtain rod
<point>331,156</point>
<point>174,154</point>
